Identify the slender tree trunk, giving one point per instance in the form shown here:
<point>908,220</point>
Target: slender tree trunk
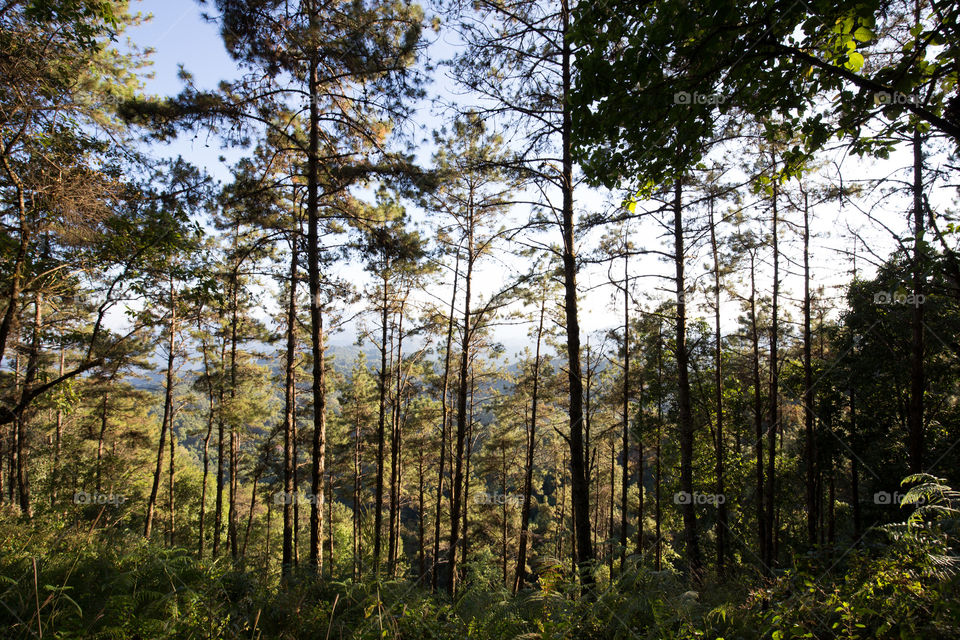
<point>580,490</point>
<point>167,413</point>
<point>917,374</point>
<point>810,453</point>
<point>33,366</point>
<point>233,515</point>
<point>253,504</point>
<point>641,543</point>
<point>503,507</point>
<point>610,506</point>
<point>357,470</point>
<point>221,432</point>
<point>102,434</point>
<point>206,441</point>
<point>757,413</point>
<point>19,263</point>
<point>56,449</point>
<point>855,472</point>
<point>172,480</point>
<point>14,436</point>
<point>381,428</point>
<point>774,398</point>
<point>561,519</point>
<point>395,451</point>
<point>625,435</point>
<point>316,319</point>
<point>720,447</point>
<point>421,556</point>
<point>330,523</point>
<point>445,421</point>
<point>289,411</point>
<point>658,514</point>
<point>832,498</point>
<point>296,485</point>
<point>684,414</point>
<point>466,475</point>
<point>458,494</point>
<point>520,572</point>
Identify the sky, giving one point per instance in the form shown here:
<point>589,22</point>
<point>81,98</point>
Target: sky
<point>180,36</point>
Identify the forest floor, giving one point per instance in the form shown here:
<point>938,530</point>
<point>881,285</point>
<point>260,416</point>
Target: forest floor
<point>87,580</point>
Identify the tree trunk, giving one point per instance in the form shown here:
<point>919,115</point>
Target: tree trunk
<point>421,556</point>
<point>289,412</point>
<point>625,436</point>
<point>613,491</point>
<point>171,481</point>
<point>757,413</point>
<point>357,471</point>
<point>218,507</point>
<point>233,515</point>
<point>381,429</point>
<point>206,441</point>
<point>917,374</point>
<point>641,543</point>
<point>684,414</point>
<point>316,320</point>
<point>19,263</point>
<point>253,503</point>
<point>810,454</point>
<point>445,421</point>
<point>774,398</point>
<point>33,365</point>
<point>461,411</point>
<point>466,474</point>
<point>658,514</point>
<point>395,451</point>
<point>579,488</point>
<point>102,434</point>
<point>720,448</point>
<point>520,572</point>
<point>167,413</point>
<point>56,449</point>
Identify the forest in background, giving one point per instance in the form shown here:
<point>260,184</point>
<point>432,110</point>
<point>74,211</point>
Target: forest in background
<point>760,442</point>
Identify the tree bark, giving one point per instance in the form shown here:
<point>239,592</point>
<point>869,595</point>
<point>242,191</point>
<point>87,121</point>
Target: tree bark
<point>579,488</point>
<point>316,320</point>
<point>33,366</point>
<point>721,528</point>
<point>520,572</point>
<point>774,398</point>
<point>917,374</point>
<point>289,412</point>
<point>625,435</point>
<point>809,453</point>
<point>201,540</point>
<point>684,414</point>
<point>458,493</point>
<point>167,413</point>
<point>381,429</point>
<point>445,421</point>
<point>757,413</point>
